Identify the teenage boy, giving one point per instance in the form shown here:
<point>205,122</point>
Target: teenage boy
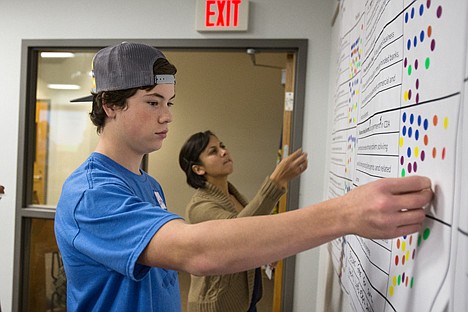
<point>120,245</point>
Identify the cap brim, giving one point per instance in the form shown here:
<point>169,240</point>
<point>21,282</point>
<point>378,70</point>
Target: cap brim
<point>88,98</point>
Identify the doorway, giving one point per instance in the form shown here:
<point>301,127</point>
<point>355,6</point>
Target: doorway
<point>243,138</point>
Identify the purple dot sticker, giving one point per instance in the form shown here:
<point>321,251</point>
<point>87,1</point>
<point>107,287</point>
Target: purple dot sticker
<point>417,98</point>
<point>423,155</point>
<point>439,11</point>
<point>416,64</point>
<point>402,160</point>
<point>415,167</point>
<point>417,85</point>
<point>428,4</point>
<point>409,168</point>
<point>433,45</point>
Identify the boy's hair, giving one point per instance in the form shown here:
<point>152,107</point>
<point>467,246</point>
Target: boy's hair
<point>190,155</point>
<point>118,98</point>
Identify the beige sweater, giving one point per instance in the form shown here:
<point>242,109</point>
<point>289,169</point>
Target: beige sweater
<point>230,292</point>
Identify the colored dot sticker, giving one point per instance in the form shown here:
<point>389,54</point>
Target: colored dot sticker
<point>426,233</point>
<point>439,11</point>
<point>428,63</point>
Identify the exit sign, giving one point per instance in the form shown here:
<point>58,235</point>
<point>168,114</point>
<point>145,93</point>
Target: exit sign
<point>222,15</point>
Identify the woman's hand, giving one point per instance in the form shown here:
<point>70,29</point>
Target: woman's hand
<point>289,168</point>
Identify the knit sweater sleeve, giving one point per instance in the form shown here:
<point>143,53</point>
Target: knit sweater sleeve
<point>211,204</point>
<point>264,201</point>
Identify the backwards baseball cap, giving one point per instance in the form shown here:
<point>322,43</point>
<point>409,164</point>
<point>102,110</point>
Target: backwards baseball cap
<point>125,66</point>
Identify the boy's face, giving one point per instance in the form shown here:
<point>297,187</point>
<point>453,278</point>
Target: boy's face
<point>143,125</point>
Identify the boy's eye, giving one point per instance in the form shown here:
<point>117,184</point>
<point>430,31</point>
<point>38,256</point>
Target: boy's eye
<point>153,103</point>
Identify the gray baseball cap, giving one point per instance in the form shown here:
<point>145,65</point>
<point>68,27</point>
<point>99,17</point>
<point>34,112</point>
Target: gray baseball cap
<point>124,66</point>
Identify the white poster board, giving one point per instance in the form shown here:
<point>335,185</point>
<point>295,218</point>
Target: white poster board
<point>398,111</point>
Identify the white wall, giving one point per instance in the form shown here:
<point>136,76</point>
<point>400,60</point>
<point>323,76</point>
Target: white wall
<point>54,19</point>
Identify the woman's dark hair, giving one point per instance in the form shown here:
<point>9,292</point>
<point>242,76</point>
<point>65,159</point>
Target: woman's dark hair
<point>118,98</point>
<point>190,155</point>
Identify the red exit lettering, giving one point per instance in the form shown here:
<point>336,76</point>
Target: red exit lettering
<point>222,13</point>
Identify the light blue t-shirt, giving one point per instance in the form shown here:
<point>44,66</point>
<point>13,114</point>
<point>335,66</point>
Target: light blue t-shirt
<point>105,218</point>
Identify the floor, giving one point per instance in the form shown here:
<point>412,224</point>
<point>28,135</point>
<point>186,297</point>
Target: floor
<point>265,304</point>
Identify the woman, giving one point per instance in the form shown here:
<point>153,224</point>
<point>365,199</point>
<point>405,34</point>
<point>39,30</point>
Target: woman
<point>207,165</point>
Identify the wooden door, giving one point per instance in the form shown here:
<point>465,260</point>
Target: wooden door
<point>286,143</point>
<point>40,163</point>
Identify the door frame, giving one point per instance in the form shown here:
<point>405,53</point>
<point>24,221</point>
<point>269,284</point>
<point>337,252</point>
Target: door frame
<point>25,210</point>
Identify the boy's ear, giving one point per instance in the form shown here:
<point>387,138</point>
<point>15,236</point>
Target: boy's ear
<point>199,170</point>
<point>109,109</point>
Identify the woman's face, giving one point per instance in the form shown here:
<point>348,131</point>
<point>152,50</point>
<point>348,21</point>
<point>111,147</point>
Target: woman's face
<point>216,160</point>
